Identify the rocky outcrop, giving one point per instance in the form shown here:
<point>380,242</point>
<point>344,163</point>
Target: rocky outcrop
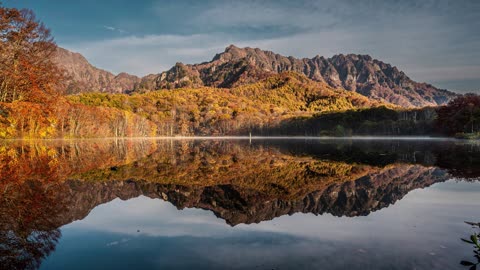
<point>360,73</point>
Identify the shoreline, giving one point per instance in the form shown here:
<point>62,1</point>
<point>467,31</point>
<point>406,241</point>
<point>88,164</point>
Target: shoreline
<point>403,138</point>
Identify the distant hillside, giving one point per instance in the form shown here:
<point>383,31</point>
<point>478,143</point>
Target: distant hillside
<point>360,73</point>
<point>83,77</point>
<point>255,107</point>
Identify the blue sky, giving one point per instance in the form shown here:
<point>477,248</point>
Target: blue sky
<point>432,41</point>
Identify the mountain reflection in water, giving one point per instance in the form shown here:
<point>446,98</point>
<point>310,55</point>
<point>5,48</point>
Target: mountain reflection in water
<point>46,185</point>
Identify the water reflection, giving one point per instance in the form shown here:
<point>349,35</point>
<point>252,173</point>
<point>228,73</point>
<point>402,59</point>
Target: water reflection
<point>46,185</point>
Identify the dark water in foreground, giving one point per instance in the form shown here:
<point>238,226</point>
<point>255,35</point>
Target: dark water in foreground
<point>236,204</point>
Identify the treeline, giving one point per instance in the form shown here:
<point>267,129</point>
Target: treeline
<point>266,112</point>
<point>239,111</point>
<point>460,118</point>
<point>64,120</point>
<point>242,110</point>
<point>378,121</point>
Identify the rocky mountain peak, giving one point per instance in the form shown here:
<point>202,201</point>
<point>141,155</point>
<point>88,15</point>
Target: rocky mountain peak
<point>230,53</point>
<point>236,66</point>
<point>353,72</point>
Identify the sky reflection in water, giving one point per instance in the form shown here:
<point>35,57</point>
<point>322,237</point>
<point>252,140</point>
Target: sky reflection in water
<point>422,231</point>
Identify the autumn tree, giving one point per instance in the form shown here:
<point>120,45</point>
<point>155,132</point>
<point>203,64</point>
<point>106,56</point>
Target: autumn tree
<point>27,70</point>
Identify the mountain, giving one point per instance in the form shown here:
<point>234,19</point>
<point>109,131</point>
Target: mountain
<point>83,77</point>
<point>359,73</point>
<point>239,66</point>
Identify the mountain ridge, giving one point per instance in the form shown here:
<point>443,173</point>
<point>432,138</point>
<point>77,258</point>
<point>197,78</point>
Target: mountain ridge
<point>353,72</point>
<point>239,66</point>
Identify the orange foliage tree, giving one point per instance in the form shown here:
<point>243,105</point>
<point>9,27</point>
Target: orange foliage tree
<point>27,70</point>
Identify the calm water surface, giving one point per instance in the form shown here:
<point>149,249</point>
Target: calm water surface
<point>238,204</point>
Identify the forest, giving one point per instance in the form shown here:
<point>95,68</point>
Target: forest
<point>252,108</point>
<point>34,104</point>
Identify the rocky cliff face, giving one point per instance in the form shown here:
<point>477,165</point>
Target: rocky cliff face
<point>83,77</point>
<point>360,73</point>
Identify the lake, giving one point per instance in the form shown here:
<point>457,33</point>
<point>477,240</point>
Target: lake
<point>238,203</point>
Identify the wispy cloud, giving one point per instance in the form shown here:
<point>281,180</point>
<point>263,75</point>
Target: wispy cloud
<point>114,29</point>
<point>257,14</point>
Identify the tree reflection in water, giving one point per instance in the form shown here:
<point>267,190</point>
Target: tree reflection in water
<point>26,251</point>
<point>46,185</point>
<point>29,231</point>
